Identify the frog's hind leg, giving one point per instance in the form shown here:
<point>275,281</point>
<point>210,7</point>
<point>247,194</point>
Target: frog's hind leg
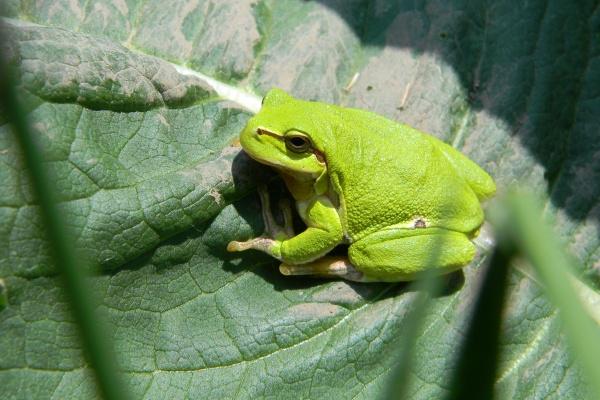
<point>326,267</point>
<point>402,254</point>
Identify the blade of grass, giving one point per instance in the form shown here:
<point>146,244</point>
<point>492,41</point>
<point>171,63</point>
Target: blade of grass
<point>428,286</point>
<point>425,288</point>
<point>3,295</point>
<point>475,372</point>
<point>81,300</point>
<point>538,243</point>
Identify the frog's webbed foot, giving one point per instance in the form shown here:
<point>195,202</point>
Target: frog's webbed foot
<point>273,231</point>
<point>326,267</point>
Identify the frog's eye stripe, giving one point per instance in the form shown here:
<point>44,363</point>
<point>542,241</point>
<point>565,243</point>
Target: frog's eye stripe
<point>320,156</point>
<point>263,131</point>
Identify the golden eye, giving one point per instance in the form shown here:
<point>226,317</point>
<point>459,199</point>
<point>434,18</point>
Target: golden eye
<point>297,143</point>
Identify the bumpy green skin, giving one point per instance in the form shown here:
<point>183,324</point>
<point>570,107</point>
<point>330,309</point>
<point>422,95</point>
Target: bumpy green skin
<point>402,199</point>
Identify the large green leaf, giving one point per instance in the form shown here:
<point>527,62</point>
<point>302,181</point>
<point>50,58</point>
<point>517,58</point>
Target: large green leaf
<point>138,144</point>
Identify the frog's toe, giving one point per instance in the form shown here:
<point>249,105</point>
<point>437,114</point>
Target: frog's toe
<point>272,228</point>
<point>259,243</point>
<point>286,210</point>
<point>268,219</point>
<point>326,267</point>
<point>234,246</point>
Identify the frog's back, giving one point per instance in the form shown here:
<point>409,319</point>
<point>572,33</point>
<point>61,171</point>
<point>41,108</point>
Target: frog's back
<point>388,174</point>
<point>482,184</point>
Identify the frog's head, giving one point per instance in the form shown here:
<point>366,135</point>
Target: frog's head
<point>289,135</point>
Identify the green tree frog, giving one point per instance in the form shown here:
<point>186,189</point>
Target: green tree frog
<point>403,201</point>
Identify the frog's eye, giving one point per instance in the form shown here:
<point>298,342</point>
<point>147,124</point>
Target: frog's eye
<point>297,143</point>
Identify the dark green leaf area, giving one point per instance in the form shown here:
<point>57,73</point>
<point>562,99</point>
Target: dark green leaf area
<point>126,180</point>
<point>153,193</point>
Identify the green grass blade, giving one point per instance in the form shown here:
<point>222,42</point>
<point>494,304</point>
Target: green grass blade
<point>475,372</point>
<point>95,339</point>
<point>428,286</point>
<point>400,375</point>
<point>3,295</point>
<point>541,247</point>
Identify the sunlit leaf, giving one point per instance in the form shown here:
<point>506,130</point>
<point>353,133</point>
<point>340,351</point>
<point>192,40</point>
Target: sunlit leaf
<point>140,154</point>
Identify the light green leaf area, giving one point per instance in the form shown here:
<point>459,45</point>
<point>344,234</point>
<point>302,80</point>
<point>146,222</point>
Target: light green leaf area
<point>152,189</point>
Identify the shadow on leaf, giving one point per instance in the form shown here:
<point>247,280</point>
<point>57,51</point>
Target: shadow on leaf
<point>529,64</point>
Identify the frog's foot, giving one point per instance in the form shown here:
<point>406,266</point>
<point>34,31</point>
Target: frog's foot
<point>273,231</point>
<point>259,243</point>
<point>326,267</point>
<point>288,221</point>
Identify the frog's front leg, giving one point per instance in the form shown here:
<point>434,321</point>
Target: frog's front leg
<point>273,232</point>
<point>323,233</point>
